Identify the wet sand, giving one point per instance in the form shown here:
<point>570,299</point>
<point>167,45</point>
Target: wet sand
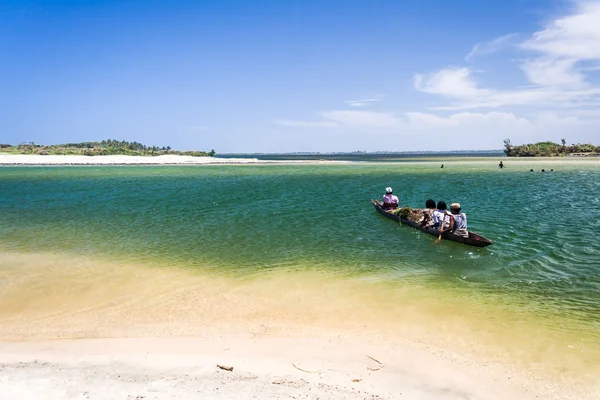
<point>160,332</point>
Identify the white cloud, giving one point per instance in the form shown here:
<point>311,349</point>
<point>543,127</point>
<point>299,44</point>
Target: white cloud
<point>365,101</point>
<point>553,72</point>
<point>558,64</point>
<point>562,45</point>
<point>530,97</point>
<point>452,82</point>
<point>575,36</point>
<point>492,46</point>
<point>466,119</point>
<point>552,66</point>
<point>466,130</point>
<point>347,119</point>
<point>460,130</point>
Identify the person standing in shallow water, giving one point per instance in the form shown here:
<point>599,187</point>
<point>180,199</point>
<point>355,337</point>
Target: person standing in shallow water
<point>501,165</point>
<point>390,200</point>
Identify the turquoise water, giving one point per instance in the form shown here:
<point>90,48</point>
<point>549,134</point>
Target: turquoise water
<point>246,220</point>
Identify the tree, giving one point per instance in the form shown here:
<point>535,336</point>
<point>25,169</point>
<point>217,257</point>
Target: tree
<point>507,147</point>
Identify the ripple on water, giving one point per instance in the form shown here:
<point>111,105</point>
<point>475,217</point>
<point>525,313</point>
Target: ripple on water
<point>252,220</point>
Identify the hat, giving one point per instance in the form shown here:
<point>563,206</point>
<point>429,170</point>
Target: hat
<point>388,189</point>
<point>455,205</point>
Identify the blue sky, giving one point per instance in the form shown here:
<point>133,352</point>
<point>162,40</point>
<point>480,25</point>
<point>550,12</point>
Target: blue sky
<point>280,76</point>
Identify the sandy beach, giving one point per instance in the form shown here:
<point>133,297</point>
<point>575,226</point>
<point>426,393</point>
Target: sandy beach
<point>34,159</point>
<point>510,163</point>
<point>263,368</point>
<point>81,329</point>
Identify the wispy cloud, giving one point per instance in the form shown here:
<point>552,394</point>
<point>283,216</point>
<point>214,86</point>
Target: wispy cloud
<point>563,45</point>
<point>365,101</point>
<point>346,119</point>
<point>362,118</point>
<point>492,46</point>
<point>552,66</point>
<point>559,96</point>
<point>575,36</point>
<point>491,128</point>
<point>425,120</point>
<point>305,124</point>
<point>553,72</point>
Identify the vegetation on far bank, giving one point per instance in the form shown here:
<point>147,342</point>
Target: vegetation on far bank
<point>550,149</point>
<point>104,148</point>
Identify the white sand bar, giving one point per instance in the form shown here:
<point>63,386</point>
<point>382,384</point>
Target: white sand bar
<point>263,368</point>
<point>34,159</point>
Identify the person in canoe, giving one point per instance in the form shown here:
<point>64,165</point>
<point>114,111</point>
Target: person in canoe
<point>428,213</point>
<point>390,200</point>
<point>440,214</point>
<point>459,221</point>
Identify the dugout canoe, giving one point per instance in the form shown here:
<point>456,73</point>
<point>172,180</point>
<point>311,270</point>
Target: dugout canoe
<point>474,239</point>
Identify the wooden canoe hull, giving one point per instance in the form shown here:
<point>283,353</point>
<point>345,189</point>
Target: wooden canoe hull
<point>474,239</point>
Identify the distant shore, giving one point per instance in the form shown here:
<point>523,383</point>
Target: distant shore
<point>34,159</point>
<point>40,160</point>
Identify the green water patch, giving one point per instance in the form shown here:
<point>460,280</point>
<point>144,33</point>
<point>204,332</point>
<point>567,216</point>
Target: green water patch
<point>245,221</point>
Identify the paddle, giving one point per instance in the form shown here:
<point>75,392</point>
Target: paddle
<point>441,229</point>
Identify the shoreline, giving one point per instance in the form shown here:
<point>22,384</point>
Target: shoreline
<point>170,160</point>
<point>119,160</point>
<point>68,318</point>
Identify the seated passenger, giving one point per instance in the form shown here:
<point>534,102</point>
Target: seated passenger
<point>428,213</point>
<point>460,221</point>
<point>390,201</point>
<point>438,215</point>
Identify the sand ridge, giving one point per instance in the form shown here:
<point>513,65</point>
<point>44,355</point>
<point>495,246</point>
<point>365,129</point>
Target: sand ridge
<point>34,159</point>
<point>510,163</point>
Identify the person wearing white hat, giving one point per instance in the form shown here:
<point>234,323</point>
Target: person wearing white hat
<point>390,200</point>
<point>460,221</point>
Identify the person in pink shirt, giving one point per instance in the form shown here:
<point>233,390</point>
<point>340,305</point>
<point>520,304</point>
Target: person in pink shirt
<point>390,201</point>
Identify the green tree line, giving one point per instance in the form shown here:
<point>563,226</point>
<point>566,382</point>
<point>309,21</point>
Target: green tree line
<point>549,149</point>
<point>103,148</point>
